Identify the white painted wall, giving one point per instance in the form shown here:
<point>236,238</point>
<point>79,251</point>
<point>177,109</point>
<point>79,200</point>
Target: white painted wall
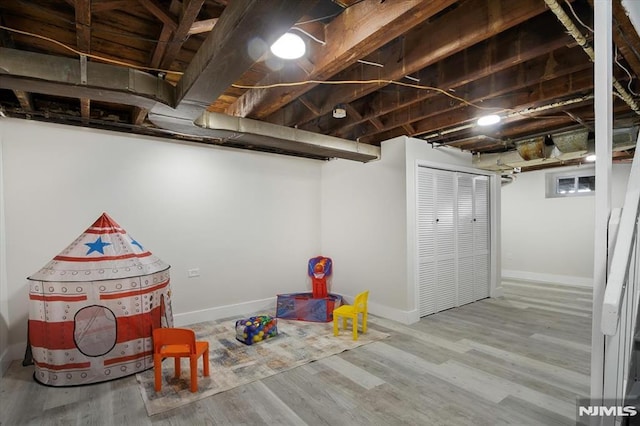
<point>551,239</point>
<point>249,221</point>
<point>4,301</point>
<point>368,223</point>
<point>364,228</point>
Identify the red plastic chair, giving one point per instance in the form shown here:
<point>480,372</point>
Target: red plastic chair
<point>179,343</point>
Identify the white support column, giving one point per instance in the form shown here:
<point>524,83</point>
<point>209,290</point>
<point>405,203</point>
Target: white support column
<point>604,123</point>
<point>5,355</point>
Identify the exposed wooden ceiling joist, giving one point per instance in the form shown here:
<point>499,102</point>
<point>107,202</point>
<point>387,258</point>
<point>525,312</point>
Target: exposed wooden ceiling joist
<point>513,55</point>
<point>420,48</point>
<point>354,34</point>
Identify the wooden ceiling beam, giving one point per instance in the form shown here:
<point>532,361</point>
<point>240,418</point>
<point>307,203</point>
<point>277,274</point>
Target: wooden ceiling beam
<point>83,42</point>
<point>85,108</point>
<point>83,25</point>
<point>425,46</point>
<point>626,38</point>
<point>358,31</point>
<point>99,6</point>
<point>540,94</point>
<point>556,120</point>
<point>526,42</point>
<point>523,128</point>
<point>534,95</point>
<point>160,12</point>
<point>205,26</point>
<point>346,3</point>
<point>375,121</point>
<point>138,115</point>
<point>223,57</point>
<point>25,99</point>
<point>188,16</point>
<point>164,38</point>
<point>161,46</point>
<point>557,64</point>
<point>308,104</point>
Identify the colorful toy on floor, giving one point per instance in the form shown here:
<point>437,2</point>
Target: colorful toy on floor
<point>304,307</point>
<point>317,306</point>
<point>319,271</point>
<point>256,329</point>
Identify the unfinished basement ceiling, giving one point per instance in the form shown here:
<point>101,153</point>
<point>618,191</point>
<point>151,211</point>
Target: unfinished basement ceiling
<point>201,70</point>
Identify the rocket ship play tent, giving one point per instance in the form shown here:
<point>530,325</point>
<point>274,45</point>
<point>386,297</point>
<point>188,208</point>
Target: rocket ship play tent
<point>94,306</point>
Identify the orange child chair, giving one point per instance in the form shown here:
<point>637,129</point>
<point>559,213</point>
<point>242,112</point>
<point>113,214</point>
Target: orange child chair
<point>351,311</point>
<point>179,343</point>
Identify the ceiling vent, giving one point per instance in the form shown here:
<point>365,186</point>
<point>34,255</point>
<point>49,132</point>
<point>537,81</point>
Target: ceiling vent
<point>575,140</point>
<point>531,149</point>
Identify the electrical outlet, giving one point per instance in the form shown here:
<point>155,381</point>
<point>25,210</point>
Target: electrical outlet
<point>192,273</point>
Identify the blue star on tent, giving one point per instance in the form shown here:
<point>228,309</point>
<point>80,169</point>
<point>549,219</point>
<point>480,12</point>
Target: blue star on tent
<point>135,243</point>
<point>98,245</point>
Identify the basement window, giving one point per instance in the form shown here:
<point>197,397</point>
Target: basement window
<point>573,184</point>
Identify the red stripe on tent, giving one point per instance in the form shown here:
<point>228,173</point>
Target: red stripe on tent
<point>136,327</point>
<point>99,259</point>
<point>59,335</point>
<point>51,335</point>
<point>127,358</point>
<point>134,292</point>
<point>105,231</point>
<point>57,298</point>
<point>62,366</point>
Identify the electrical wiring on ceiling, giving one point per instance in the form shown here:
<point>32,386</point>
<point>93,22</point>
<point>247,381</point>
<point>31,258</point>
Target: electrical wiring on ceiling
<point>89,55</point>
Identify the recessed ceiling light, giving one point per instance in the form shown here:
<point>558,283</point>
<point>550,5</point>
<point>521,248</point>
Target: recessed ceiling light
<point>590,158</point>
<point>340,111</point>
<point>488,120</point>
<point>289,46</point>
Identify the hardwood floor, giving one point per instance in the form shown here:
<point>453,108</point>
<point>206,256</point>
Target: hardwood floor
<point>518,360</point>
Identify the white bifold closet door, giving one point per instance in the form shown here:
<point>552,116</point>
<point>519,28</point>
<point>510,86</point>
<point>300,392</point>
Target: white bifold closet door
<point>453,239</point>
<point>481,246</point>
<point>465,228</point>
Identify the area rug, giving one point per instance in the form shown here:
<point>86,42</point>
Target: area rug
<point>234,363</point>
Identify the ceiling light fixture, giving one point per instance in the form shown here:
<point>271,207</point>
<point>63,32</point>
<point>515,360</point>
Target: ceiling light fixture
<point>590,158</point>
<point>289,46</point>
<point>488,120</point>
<point>340,111</point>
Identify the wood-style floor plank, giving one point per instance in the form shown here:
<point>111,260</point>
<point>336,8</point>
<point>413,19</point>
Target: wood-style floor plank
<point>521,359</point>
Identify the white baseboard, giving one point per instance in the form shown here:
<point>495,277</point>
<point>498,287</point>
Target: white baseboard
<point>404,317</point>
<point>497,292</point>
<point>267,305</point>
<point>548,278</point>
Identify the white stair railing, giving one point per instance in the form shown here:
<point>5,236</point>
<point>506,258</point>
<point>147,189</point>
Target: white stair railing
<point>620,305</point>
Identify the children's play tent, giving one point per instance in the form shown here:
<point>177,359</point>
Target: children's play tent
<point>94,306</point>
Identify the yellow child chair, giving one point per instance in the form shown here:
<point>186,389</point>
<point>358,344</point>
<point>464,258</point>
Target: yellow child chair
<point>352,311</point>
<point>179,343</point>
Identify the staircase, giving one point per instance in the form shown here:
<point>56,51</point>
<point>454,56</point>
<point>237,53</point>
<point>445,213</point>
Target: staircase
<point>620,307</point>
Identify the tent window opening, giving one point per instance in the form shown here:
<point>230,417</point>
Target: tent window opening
<point>94,330</point>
